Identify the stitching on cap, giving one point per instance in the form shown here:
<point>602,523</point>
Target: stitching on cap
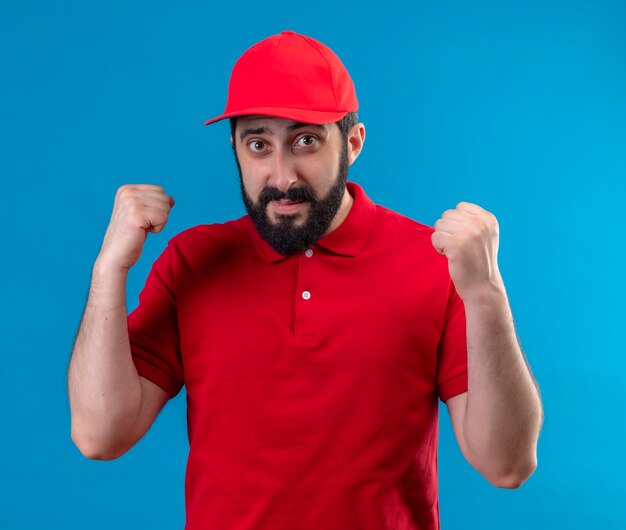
<point>293,107</point>
<point>280,39</point>
<point>332,75</point>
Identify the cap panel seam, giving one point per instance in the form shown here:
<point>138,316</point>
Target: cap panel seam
<point>330,68</point>
<point>275,59</point>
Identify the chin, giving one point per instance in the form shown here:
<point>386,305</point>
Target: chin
<point>295,220</point>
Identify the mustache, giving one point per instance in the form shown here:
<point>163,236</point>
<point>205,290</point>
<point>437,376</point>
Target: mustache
<point>301,193</point>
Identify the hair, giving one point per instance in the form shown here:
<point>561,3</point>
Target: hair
<point>345,124</point>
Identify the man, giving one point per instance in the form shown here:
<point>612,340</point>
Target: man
<point>314,335</point>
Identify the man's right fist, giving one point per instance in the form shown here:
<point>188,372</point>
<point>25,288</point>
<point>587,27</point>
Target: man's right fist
<point>138,209</point>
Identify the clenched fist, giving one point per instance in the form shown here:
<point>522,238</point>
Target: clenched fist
<point>468,237</point>
<point>138,209</point>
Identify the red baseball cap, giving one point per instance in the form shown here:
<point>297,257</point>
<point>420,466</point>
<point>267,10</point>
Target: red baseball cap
<point>290,76</point>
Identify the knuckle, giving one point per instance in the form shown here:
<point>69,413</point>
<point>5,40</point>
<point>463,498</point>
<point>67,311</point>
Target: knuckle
<point>125,191</point>
<point>134,208</point>
<point>491,223</point>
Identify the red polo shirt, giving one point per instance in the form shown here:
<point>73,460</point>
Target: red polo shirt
<point>312,381</point>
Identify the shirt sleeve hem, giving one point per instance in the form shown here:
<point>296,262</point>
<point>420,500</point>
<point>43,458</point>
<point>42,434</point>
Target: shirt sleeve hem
<point>453,387</point>
<point>156,376</point>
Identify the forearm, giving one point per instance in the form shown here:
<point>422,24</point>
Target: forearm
<point>103,384</point>
<point>503,412</point>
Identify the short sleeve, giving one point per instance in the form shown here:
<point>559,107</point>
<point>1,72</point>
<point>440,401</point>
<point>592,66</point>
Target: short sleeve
<point>452,349</point>
<point>153,328</point>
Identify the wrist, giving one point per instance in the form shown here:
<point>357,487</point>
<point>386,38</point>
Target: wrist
<point>104,267</point>
<point>490,293</point>
<point>107,291</point>
<point>105,271</point>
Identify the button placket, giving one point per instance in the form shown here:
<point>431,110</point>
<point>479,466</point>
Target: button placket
<point>304,300</point>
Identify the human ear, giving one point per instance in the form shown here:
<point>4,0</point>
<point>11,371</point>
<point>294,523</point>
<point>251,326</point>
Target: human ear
<point>356,138</point>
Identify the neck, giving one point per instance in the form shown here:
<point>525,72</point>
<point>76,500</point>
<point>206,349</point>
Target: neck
<point>342,213</point>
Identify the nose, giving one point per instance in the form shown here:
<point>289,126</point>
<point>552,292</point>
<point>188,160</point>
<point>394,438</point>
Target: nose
<point>283,173</point>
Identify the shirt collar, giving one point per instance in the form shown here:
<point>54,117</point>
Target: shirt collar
<point>346,240</point>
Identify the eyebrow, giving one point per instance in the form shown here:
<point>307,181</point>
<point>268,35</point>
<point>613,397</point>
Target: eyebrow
<point>262,130</point>
<point>300,125</point>
<point>251,131</point>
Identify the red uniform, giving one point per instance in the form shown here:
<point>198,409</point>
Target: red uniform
<point>312,380</point>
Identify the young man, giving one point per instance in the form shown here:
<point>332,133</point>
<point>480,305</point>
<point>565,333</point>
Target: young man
<point>314,335</point>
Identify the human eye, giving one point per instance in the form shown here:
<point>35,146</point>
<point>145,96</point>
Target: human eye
<point>257,146</point>
<point>306,140</point>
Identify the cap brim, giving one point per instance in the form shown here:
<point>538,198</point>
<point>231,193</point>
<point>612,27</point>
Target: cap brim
<point>300,115</point>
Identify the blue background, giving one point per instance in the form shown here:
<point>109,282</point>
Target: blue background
<point>517,106</point>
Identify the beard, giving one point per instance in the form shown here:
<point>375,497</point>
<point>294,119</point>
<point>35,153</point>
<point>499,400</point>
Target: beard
<point>284,236</point>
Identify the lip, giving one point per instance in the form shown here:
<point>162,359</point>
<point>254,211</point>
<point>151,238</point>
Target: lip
<point>286,207</point>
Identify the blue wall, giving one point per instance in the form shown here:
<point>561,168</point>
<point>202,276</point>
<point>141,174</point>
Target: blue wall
<point>517,106</point>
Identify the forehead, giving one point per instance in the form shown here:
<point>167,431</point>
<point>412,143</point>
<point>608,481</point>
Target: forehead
<point>272,124</point>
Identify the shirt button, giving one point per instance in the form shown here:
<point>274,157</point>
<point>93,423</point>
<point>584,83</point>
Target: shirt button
<point>308,253</point>
<point>306,295</point>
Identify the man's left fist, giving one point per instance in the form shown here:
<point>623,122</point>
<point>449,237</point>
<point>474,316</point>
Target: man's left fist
<point>468,237</point>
